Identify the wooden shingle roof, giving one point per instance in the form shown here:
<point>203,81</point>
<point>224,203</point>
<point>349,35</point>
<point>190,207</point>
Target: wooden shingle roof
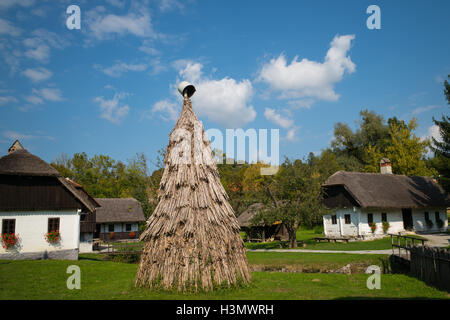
<point>375,190</point>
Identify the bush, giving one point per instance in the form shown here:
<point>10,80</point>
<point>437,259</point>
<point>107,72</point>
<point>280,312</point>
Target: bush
<point>373,226</point>
<point>111,235</point>
<point>440,223</point>
<point>386,226</point>
<point>318,229</point>
<point>429,223</point>
<point>132,234</point>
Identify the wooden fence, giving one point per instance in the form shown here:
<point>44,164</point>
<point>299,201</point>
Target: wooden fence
<point>431,265</point>
<point>118,248</point>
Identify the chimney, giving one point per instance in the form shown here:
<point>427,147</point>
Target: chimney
<point>385,166</point>
<point>15,146</point>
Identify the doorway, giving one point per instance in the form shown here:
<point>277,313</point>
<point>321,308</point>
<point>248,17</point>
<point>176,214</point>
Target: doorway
<point>407,219</point>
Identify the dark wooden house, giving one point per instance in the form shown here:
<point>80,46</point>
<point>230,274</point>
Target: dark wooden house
<point>261,231</point>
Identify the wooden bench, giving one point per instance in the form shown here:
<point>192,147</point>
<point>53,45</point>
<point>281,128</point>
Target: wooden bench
<point>319,239</point>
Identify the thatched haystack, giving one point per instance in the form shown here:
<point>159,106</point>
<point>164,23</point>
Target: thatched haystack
<point>192,238</point>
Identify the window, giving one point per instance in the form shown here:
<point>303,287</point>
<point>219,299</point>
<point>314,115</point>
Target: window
<point>427,216</point>
<point>436,216</point>
<point>370,218</point>
<point>128,227</point>
<point>110,228</point>
<point>333,219</point>
<point>53,224</point>
<point>348,219</point>
<point>8,226</point>
<point>384,217</point>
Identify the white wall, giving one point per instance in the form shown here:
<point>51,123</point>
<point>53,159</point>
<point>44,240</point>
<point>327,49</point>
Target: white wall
<point>394,217</point>
<point>419,219</point>
<point>31,226</point>
<point>86,242</point>
<point>119,227</point>
<point>359,225</point>
<point>341,228</point>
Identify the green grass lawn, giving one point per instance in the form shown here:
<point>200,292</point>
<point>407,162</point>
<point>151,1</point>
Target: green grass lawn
<point>313,262</point>
<point>307,237</point>
<point>46,279</point>
<point>291,261</point>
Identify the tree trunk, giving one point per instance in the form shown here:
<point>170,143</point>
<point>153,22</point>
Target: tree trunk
<point>292,232</point>
<point>263,234</point>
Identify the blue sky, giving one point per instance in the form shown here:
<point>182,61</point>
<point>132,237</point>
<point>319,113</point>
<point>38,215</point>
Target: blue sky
<point>300,66</point>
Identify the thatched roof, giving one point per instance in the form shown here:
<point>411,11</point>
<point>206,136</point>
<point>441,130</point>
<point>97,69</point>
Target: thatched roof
<point>119,210</point>
<point>245,218</point>
<point>192,237</point>
<point>83,194</point>
<point>21,162</point>
<point>375,190</point>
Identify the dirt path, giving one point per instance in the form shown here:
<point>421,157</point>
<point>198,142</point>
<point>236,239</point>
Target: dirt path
<point>437,239</point>
<point>387,251</point>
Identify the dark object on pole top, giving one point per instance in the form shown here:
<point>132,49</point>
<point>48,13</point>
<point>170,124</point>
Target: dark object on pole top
<point>186,88</point>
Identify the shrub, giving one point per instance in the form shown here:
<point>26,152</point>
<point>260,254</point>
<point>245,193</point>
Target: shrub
<point>9,240</point>
<point>429,223</point>
<point>111,235</point>
<point>386,226</point>
<point>318,229</point>
<point>53,236</point>
<point>132,234</point>
<point>440,223</point>
<point>373,226</point>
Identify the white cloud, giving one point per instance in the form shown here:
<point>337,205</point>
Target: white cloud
<point>116,3</point>
<point>6,4</point>
<point>102,25</point>
<point>167,5</point>
<point>148,48</point>
<point>33,99</point>
<point>168,109</point>
<point>7,99</point>
<point>14,135</point>
<point>40,43</point>
<point>40,95</point>
<point>302,103</point>
<point>224,101</point>
<point>119,68</point>
<point>306,78</point>
<point>292,134</point>
<point>424,109</point>
<point>51,94</point>
<point>111,110</point>
<point>41,53</point>
<point>192,71</point>
<point>276,118</point>
<point>7,28</point>
<point>38,74</point>
<point>434,132</point>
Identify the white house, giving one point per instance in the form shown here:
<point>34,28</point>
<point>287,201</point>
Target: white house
<point>34,200</point>
<point>118,218</point>
<point>404,203</point>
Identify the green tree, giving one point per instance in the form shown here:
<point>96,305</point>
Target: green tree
<point>406,151</point>
<point>294,197</point>
<point>441,148</point>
